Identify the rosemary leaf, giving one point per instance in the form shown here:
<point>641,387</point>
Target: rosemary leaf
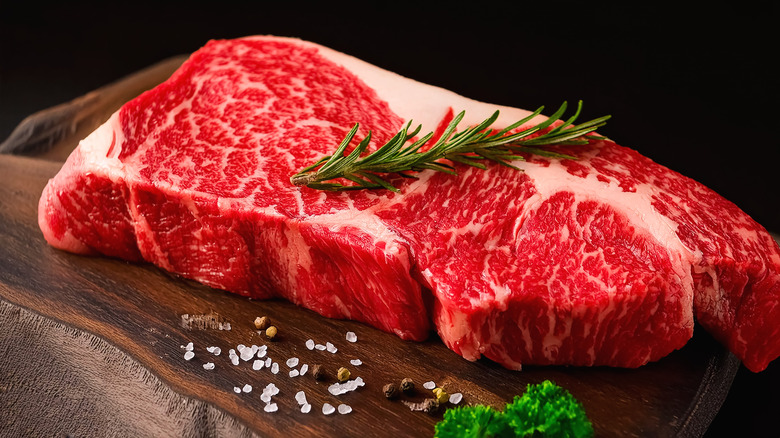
<point>468,147</point>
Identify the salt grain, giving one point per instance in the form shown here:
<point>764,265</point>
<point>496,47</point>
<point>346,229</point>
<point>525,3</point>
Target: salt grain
<point>306,408</point>
<point>300,397</point>
<point>247,388</point>
<point>268,362</point>
<point>234,360</point>
<point>237,390</point>
<point>456,398</point>
<point>328,409</point>
<point>349,385</point>
<point>266,398</point>
<point>292,362</point>
<point>261,350</point>
<point>345,409</point>
<point>429,385</point>
<point>294,373</point>
<point>310,344</point>
<point>240,347</point>
<point>214,350</point>
<point>271,389</point>
<point>356,362</point>
<point>271,407</point>
<point>331,348</point>
<point>351,337</point>
<point>275,368</point>
<point>208,366</point>
<point>304,368</point>
<point>189,347</point>
<point>257,364</point>
<point>247,354</point>
<point>319,347</point>
<point>189,355</point>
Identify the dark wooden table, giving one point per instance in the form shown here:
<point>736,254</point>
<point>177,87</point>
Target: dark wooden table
<point>94,345</point>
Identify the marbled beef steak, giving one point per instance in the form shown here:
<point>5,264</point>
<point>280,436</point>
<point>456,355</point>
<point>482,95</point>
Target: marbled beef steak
<point>602,260</point>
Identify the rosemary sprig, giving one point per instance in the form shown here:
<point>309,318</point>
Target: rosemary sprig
<point>469,147</point>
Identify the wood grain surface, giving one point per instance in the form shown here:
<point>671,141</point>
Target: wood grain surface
<point>93,347</point>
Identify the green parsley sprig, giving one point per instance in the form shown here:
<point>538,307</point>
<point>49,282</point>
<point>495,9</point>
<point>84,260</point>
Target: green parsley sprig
<point>544,410</point>
<point>470,147</point>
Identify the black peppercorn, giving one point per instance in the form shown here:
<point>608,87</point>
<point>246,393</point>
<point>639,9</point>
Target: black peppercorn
<point>390,391</point>
<point>407,385</point>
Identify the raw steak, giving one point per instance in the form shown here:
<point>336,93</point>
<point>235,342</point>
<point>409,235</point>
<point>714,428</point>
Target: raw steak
<point>603,260</point>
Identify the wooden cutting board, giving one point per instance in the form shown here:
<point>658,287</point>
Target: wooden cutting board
<point>94,346</point>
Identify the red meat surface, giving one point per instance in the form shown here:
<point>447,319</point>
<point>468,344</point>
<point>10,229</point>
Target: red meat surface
<point>602,260</point>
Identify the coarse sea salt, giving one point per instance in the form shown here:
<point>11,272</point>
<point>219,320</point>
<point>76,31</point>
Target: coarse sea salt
<point>237,390</point>
<point>257,364</point>
<point>261,350</point>
<point>319,347</point>
<point>306,408</point>
<point>240,347</point>
<point>456,398</point>
<point>214,350</point>
<point>268,362</point>
<point>292,362</point>
<point>304,368</point>
<point>429,385</point>
<point>328,409</point>
<point>300,397</point>
<point>275,368</point>
<point>351,337</point>
<point>356,362</point>
<point>247,354</point>
<point>271,389</point>
<point>208,366</point>
<point>247,388</point>
<point>344,409</point>
<point>189,355</point>
<point>294,373</point>
<point>331,348</point>
<point>342,388</point>
<point>271,407</point>
<point>310,344</point>
<point>188,347</point>
<point>234,360</point>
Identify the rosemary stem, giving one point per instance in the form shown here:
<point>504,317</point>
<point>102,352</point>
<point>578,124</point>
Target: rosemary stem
<point>465,147</point>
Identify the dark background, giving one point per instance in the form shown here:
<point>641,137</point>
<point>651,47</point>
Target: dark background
<point>696,91</point>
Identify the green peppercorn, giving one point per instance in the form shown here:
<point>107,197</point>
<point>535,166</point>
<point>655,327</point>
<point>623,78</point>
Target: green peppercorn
<point>441,395</point>
<point>271,332</point>
<point>343,374</point>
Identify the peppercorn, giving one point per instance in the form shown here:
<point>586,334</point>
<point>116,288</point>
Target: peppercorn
<point>316,372</point>
<point>441,396</point>
<point>430,406</point>
<point>343,374</point>
<point>407,385</point>
<point>271,332</point>
<point>390,391</point>
<point>262,322</point>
